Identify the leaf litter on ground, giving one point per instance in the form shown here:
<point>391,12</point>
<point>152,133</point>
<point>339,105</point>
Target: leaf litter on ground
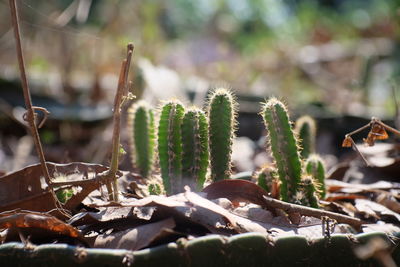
<point>138,221</point>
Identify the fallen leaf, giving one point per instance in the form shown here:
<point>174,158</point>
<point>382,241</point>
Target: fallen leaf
<point>236,191</point>
<point>38,225</point>
<point>25,189</point>
<point>373,209</point>
<point>137,238</point>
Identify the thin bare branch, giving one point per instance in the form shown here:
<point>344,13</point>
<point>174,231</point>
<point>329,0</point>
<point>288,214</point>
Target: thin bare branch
<point>354,146</point>
<point>307,211</point>
<point>119,96</point>
<point>30,115</point>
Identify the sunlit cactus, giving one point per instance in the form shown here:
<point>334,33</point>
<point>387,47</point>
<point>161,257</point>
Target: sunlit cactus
<point>315,168</point>
<point>309,192</point>
<point>222,122</point>
<point>195,158</point>
<point>284,147</point>
<point>142,136</point>
<point>306,130</point>
<point>267,178</point>
<point>170,146</point>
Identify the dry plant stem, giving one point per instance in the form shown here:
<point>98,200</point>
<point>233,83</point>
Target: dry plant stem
<point>370,124</point>
<point>387,127</point>
<point>121,91</point>
<point>30,115</point>
<point>307,211</point>
<point>354,146</point>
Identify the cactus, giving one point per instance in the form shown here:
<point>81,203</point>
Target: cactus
<point>195,148</point>
<point>170,146</point>
<point>306,130</point>
<point>284,147</point>
<point>315,168</point>
<point>309,193</point>
<point>267,178</point>
<point>154,188</point>
<point>142,137</point>
<point>222,122</point>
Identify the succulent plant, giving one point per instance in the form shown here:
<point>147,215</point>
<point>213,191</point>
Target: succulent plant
<point>267,178</point>
<point>142,136</point>
<point>222,123</point>
<point>309,192</point>
<point>315,167</point>
<point>170,145</point>
<point>154,188</point>
<point>195,157</point>
<point>284,147</point>
<point>306,130</point>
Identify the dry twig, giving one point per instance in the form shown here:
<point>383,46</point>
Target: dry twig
<point>30,110</point>
<point>121,94</point>
<point>307,211</point>
<point>377,132</point>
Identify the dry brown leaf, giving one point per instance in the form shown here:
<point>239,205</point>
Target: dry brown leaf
<point>26,189</point>
<point>373,209</point>
<point>137,238</point>
<point>347,142</point>
<point>29,221</point>
<point>236,191</point>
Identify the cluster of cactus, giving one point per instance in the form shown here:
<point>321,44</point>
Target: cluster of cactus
<point>184,139</point>
<point>189,141</point>
<point>297,183</point>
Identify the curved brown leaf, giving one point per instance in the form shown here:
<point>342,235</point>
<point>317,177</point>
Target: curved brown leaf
<point>28,219</point>
<point>236,191</point>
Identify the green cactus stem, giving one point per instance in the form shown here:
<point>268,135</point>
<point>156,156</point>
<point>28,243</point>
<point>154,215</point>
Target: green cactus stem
<point>315,168</point>
<point>154,188</point>
<point>222,122</point>
<point>306,130</point>
<point>310,194</point>
<point>284,147</point>
<point>195,148</point>
<point>267,178</point>
<point>170,146</point>
<point>142,136</point>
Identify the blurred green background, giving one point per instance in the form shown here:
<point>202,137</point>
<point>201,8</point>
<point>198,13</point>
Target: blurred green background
<point>340,53</point>
<point>324,58</point>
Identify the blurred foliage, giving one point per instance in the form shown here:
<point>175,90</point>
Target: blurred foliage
<point>241,43</point>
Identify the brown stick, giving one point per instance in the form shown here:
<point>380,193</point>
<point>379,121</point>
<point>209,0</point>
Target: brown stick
<point>307,211</point>
<point>121,92</point>
<point>30,115</point>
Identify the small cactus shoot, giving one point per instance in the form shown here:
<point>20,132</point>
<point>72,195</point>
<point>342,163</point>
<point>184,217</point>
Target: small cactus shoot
<point>222,122</point>
<point>306,130</point>
<point>310,194</point>
<point>315,168</point>
<point>170,146</point>
<point>142,136</point>
<point>284,147</point>
<point>267,178</point>
<point>195,148</point>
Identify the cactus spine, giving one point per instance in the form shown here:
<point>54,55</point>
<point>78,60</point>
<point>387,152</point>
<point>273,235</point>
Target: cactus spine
<point>306,130</point>
<point>170,146</point>
<point>195,148</point>
<point>222,122</point>
<point>283,144</point>
<point>315,168</point>
<point>142,137</point>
